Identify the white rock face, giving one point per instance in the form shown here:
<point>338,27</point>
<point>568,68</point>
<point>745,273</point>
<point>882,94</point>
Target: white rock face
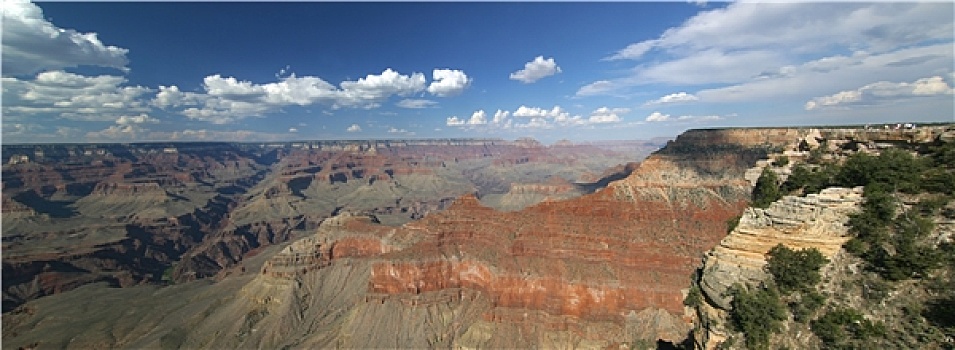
<point>815,221</point>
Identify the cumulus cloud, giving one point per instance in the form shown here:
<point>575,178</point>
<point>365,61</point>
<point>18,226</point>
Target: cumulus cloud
<point>416,103</point>
<point>72,96</point>
<point>500,116</point>
<point>354,128</point>
<point>754,51</point>
<point>139,119</point>
<point>536,118</point>
<point>604,115</point>
<point>479,117</point>
<point>293,130</point>
<point>678,97</point>
<point>535,70</point>
<point>448,82</point>
<point>883,91</point>
<point>455,121</point>
<point>32,44</point>
<point>658,117</point>
<point>116,132</point>
<point>375,88</point>
<point>227,99</point>
<point>536,112</point>
<point>170,96</point>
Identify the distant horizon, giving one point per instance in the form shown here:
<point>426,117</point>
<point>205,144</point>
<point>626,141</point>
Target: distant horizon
<point>118,72</point>
<point>465,138</point>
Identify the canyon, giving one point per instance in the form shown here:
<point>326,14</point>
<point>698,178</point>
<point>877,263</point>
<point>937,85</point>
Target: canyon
<point>488,245</point>
<point>156,213</point>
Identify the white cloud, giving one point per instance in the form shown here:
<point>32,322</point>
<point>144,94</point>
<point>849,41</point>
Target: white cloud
<point>535,123</point>
<point>536,118</point>
<point>416,103</point>
<point>32,44</point>
<point>803,27</point>
<point>634,51</point>
<point>229,99</point>
<point>678,97</point>
<point>448,82</point>
<point>478,118</point>
<point>455,121</point>
<point>500,116</point>
<point>293,130</point>
<point>72,96</point>
<point>597,88</point>
<point>757,51</point>
<point>375,88</point>
<point>535,112</point>
<point>116,132</point>
<point>139,119</point>
<point>607,115</point>
<point>354,128</point>
<point>700,118</point>
<point>883,91</point>
<point>658,117</point>
<point>835,73</point>
<point>170,96</point>
<point>400,131</point>
<point>535,70</point>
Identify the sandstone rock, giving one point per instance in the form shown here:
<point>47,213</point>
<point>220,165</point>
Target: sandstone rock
<point>815,221</point>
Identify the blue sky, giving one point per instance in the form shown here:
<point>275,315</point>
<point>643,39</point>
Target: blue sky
<point>125,72</point>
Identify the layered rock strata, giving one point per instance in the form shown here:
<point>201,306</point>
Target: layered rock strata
<point>815,221</point>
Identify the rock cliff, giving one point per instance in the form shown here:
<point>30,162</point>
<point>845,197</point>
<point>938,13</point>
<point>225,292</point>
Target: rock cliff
<point>818,221</point>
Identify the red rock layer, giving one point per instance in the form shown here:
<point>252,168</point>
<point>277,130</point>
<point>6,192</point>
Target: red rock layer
<point>595,258</point>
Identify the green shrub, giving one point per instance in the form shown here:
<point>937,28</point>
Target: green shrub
<point>766,190</point>
<point>840,327</point>
<point>781,161</point>
<point>810,180</point>
<point>758,314</point>
<point>795,270</point>
<point>694,298</point>
<point>807,305</point>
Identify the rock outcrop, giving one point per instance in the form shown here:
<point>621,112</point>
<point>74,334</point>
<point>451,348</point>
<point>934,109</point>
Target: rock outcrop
<point>815,221</point>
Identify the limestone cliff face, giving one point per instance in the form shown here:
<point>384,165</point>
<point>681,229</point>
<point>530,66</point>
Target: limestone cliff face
<point>815,221</point>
